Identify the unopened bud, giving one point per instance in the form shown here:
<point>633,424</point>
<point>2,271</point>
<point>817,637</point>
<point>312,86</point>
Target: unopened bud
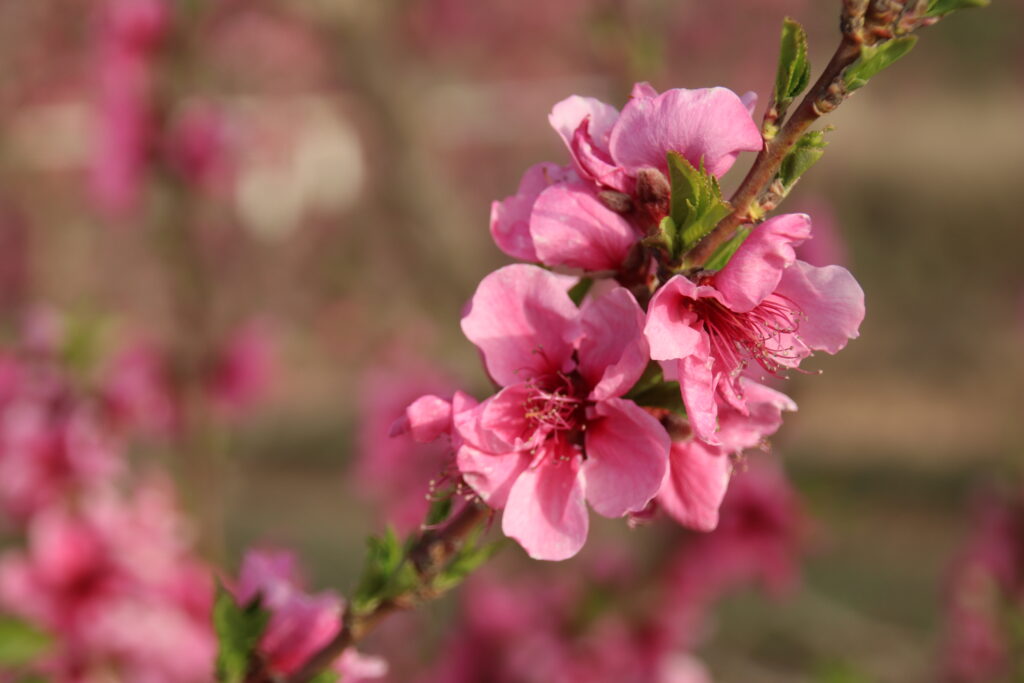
<point>652,186</point>
<point>619,202</point>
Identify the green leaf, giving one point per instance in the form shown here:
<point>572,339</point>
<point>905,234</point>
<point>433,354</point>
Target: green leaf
<point>651,377</point>
<point>238,628</point>
<point>805,153</point>
<point>938,8</point>
<point>467,560</point>
<point>664,395</point>
<point>326,677</point>
<point>696,205</point>
<point>722,255</point>
<point>875,58</point>
<point>20,643</point>
<point>580,289</point>
<point>794,73</point>
<point>386,574</point>
<point>440,509</point>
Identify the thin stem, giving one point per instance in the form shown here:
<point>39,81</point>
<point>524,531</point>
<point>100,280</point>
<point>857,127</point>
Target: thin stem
<point>428,555</point>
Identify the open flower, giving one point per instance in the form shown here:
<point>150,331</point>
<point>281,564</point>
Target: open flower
<point>558,433</point>
<point>557,217</point>
<point>765,307</point>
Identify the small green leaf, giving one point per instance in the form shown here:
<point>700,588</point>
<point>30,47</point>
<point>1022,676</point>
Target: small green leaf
<point>794,71</point>
<point>875,58</point>
<point>722,255</point>
<point>20,643</point>
<point>805,153</point>
<point>238,629</point>
<point>580,289</point>
<point>439,509</point>
<point>386,574</point>
<point>938,8</point>
<point>467,560</point>
<point>668,235</point>
<point>664,395</point>
<point>696,204</point>
<point>326,677</point>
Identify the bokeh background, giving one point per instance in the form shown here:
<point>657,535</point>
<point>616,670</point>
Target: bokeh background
<point>290,201</point>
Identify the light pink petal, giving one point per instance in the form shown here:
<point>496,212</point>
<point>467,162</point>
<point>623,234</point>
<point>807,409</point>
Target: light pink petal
<point>698,383</point>
<point>355,667</point>
<point>571,227</point>
<point>497,425</point>
<point>594,163</point>
<point>695,484</point>
<point>755,269</point>
<point>510,218</point>
<point>545,512</point>
<point>831,301</point>
<point>764,417</point>
<point>627,456</point>
<point>749,100</point>
<point>427,418</point>
<point>613,351</point>
<point>710,124</point>
<point>567,115</point>
<point>524,323</point>
<point>643,90</point>
<point>669,327</point>
<point>491,475</point>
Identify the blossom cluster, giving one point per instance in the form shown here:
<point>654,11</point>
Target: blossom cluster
<point>626,378</point>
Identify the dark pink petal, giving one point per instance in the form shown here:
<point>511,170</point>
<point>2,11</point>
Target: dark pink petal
<point>695,484</point>
<point>567,115</point>
<point>427,418</point>
<point>755,269</point>
<point>594,163</point>
<point>627,452</point>
<point>670,326</point>
<point>491,475</point>
<point>698,383</point>
<point>571,227</point>
<point>510,218</point>
<point>764,417</point>
<point>524,323</point>
<point>710,124</point>
<point>545,511</point>
<point>613,351</point>
<point>831,301</point>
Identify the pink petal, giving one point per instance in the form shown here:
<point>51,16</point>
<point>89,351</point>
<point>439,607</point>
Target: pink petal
<point>613,351</point>
<point>491,475</point>
<point>497,425</point>
<point>524,323</point>
<point>545,512</point>
<point>695,484</point>
<point>643,90</point>
<point>697,384</point>
<point>764,417</point>
<point>627,452</point>
<point>510,218</point>
<point>669,328</point>
<point>567,115</point>
<point>571,227</point>
<point>749,100</point>
<point>755,269</point>
<point>710,124</point>
<point>831,301</point>
<point>594,163</point>
<point>427,418</point>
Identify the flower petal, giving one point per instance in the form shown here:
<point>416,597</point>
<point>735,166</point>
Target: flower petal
<point>567,115</point>
<point>613,351</point>
<point>710,124</point>
<point>831,301</point>
<point>764,406</point>
<point>697,383</point>
<point>571,227</point>
<point>755,269</point>
<point>524,323</point>
<point>627,455</point>
<point>545,511</point>
<point>426,418</point>
<point>491,475</point>
<point>669,327</point>
<point>510,218</point>
<point>695,484</point>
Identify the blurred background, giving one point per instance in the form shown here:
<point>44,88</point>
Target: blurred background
<point>249,227</point>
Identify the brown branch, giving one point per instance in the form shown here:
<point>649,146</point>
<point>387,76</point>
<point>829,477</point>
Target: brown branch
<point>428,555</point>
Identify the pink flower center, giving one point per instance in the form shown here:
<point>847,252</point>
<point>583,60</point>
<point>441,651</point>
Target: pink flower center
<point>762,333</point>
<point>555,404</point>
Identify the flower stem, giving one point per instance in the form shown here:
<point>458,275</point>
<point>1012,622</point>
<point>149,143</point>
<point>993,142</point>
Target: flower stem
<point>428,555</point>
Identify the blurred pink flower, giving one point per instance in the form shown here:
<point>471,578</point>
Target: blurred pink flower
<point>244,372</point>
<point>300,624</point>
<point>137,390</point>
<point>198,147</point>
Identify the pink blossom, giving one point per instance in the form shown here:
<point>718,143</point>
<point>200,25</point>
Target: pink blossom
<point>137,389</point>
<point>557,218</point>
<point>198,147</point>
<point>764,306</point>
<point>300,623</point>
<point>699,474</point>
<point>558,433</point>
<point>244,370</point>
